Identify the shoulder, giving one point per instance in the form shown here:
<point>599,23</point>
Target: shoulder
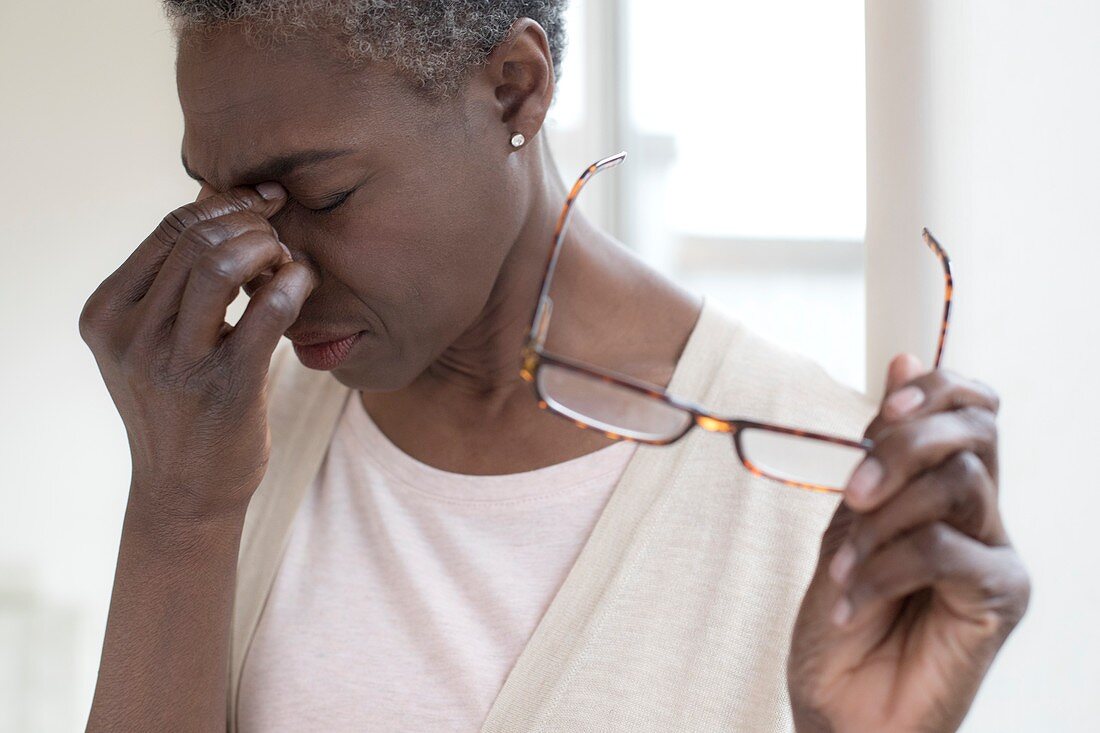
<point>760,379</point>
<point>752,377</point>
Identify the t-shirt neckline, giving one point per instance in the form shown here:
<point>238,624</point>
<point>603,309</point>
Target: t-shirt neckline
<point>575,474</point>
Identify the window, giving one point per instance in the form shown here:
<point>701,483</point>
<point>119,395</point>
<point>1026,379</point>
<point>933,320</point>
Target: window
<point>745,177</point>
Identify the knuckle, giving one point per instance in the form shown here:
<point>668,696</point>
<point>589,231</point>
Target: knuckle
<point>970,470</point>
<point>208,233</point>
<point>1006,590</point>
<point>930,541</point>
<point>961,482</point>
<point>981,421</point>
<point>944,378</point>
<point>276,302</point>
<point>941,380</point>
<point>216,267</point>
<point>238,199</point>
<point>253,220</point>
<point>97,316</point>
<point>91,316</point>
<point>991,586</point>
<point>1019,592</point>
<point>176,222</point>
<point>89,331</point>
<point>988,394</point>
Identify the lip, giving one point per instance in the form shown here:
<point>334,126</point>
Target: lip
<point>312,338</point>
<point>324,355</point>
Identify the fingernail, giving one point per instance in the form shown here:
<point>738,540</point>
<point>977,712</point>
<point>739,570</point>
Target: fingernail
<point>286,249</point>
<point>842,563</point>
<point>905,400</point>
<point>270,190</point>
<point>866,477</point>
<point>842,611</point>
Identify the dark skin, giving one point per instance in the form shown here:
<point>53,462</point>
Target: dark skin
<point>440,248</point>
<point>437,251</point>
<point>917,585</point>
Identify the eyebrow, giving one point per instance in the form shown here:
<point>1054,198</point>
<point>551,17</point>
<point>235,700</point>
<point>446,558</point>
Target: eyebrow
<point>279,166</point>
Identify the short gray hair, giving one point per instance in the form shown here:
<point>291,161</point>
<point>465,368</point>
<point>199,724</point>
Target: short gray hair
<point>434,43</point>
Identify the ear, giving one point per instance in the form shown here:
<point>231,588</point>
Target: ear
<point>520,73</point>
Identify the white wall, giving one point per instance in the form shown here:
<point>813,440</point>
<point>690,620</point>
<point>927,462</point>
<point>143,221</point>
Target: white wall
<point>983,121</point>
<point>89,161</point>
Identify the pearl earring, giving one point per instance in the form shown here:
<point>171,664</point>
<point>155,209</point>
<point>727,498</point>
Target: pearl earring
<point>518,140</point>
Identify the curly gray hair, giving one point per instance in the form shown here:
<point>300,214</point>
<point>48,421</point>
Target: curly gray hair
<point>434,43</point>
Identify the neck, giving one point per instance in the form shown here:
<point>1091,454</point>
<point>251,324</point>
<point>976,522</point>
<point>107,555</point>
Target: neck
<point>482,364</point>
<point>609,309</point>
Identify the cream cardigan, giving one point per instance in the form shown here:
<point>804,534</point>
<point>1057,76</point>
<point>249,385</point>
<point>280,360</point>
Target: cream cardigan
<point>677,614</point>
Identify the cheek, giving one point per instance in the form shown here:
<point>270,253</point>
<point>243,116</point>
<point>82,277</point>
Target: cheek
<point>422,258</point>
<point>440,254</point>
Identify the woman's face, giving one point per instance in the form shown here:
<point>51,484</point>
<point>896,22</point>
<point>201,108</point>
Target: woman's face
<point>428,199</point>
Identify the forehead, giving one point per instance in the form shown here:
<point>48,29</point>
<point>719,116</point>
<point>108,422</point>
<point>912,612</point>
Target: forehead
<point>242,105</point>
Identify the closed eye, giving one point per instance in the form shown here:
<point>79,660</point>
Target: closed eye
<point>340,199</point>
<point>334,205</point>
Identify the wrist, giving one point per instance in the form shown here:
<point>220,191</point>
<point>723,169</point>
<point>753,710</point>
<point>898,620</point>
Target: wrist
<point>173,530</point>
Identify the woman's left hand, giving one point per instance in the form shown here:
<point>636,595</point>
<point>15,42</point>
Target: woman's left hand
<point>917,586</point>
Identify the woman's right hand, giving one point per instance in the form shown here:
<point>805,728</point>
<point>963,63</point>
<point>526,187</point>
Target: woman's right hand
<point>191,389</point>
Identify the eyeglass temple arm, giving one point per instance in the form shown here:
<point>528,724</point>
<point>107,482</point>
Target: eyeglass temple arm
<point>541,322</point>
<point>948,293</point>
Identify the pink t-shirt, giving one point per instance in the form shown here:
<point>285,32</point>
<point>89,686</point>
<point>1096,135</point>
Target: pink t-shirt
<point>407,593</point>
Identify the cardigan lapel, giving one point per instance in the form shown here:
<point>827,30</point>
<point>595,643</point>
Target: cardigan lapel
<point>557,646</point>
<point>304,406</point>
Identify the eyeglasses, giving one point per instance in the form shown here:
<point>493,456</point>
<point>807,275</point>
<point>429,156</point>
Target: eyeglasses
<point>624,408</point>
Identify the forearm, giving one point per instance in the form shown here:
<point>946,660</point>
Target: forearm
<point>164,661</point>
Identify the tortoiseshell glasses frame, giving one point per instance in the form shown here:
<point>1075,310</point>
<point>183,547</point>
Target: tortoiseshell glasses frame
<point>535,356</point>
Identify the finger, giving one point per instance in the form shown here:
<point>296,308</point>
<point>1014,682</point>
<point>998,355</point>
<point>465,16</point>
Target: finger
<point>912,447</point>
<point>214,282</point>
<point>902,369</point>
<point>959,492</point>
<point>938,391</point>
<point>163,299</point>
<point>131,281</point>
<point>270,312</point>
<point>978,582</point>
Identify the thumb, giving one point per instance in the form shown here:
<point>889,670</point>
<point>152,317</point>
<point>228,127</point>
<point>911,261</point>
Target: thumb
<point>903,369</point>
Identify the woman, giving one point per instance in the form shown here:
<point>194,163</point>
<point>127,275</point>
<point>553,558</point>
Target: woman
<point>420,546</point>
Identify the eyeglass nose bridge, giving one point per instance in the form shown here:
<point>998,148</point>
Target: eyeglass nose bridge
<point>733,428</point>
<point>714,424</point>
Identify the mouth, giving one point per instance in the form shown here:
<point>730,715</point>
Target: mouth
<point>317,337</point>
<point>324,351</point>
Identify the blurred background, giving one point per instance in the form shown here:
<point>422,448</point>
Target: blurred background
<point>783,157</point>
